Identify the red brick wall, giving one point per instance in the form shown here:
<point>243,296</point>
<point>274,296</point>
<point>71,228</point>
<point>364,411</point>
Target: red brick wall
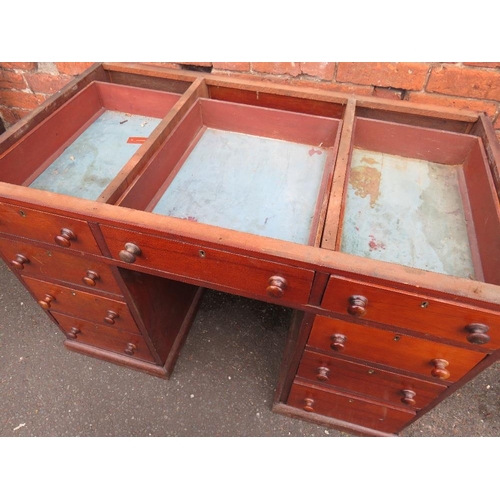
<point>474,86</point>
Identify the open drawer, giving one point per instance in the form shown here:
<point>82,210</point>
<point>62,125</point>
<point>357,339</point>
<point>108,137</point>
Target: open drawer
<point>255,170</point>
<point>422,198</point>
<point>81,147</point>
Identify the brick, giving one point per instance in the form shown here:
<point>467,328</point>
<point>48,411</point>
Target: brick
<point>11,80</point>
<point>465,82</point>
<point>28,66</point>
<point>388,93</point>
<point>19,99</point>
<point>277,68</point>
<point>11,116</point>
<point>409,76</point>
<point>321,70</point>
<point>231,66</point>
<point>72,68</point>
<point>489,108</point>
<point>45,83</point>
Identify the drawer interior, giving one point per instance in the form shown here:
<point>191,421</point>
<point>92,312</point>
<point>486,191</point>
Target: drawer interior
<point>83,145</point>
<point>422,198</point>
<point>256,170</point>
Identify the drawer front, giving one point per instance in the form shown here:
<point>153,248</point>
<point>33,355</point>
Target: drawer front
<point>104,337</point>
<point>373,382</point>
<point>59,265</point>
<point>349,409</point>
<point>415,312</point>
<point>49,228</point>
<point>396,350</point>
<point>102,310</point>
<point>256,277</point>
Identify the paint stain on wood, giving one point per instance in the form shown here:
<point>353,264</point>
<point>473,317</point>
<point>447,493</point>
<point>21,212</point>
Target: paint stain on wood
<point>313,151</point>
<point>366,182</point>
<point>374,244</point>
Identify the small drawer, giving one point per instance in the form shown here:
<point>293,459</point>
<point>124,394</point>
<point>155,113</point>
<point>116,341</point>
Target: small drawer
<point>58,265</point>
<point>448,320</point>
<point>104,337</point>
<point>102,310</point>
<point>48,228</point>
<point>348,408</point>
<point>396,350</point>
<point>255,277</point>
<point>372,382</point>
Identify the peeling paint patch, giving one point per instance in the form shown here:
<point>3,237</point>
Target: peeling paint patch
<point>369,160</point>
<point>366,182</point>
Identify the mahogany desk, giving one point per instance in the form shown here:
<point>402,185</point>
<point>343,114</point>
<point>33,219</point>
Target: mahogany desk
<point>378,222</point>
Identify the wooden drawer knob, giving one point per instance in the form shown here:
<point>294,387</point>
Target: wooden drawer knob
<point>130,349</point>
<point>276,287</point>
<point>308,405</point>
<point>408,397</point>
<point>46,302</point>
<point>19,261</point>
<point>338,342</point>
<point>110,317</point>
<point>129,253</point>
<point>439,370</point>
<point>65,238</point>
<point>73,333</point>
<point>477,333</point>
<point>357,305</point>
<point>323,373</point>
<point>90,278</point>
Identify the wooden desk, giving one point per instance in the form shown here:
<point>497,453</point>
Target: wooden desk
<point>132,189</point>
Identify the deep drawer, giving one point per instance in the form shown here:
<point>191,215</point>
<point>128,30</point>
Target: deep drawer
<point>102,310</point>
<point>348,408</point>
<point>104,337</point>
<point>415,312</point>
<point>396,350</point>
<point>49,228</point>
<point>58,264</point>
<point>373,382</point>
<point>255,277</point>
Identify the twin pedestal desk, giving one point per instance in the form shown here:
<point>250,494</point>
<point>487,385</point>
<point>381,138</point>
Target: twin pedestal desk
<point>377,222</point>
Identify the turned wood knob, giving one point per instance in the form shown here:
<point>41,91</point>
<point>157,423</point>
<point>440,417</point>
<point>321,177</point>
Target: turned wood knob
<point>276,287</point>
<point>338,342</point>
<point>130,349</point>
<point>323,372</point>
<point>357,305</point>
<point>129,253</point>
<point>477,333</point>
<point>439,370</point>
<point>110,317</point>
<point>65,238</point>
<point>308,404</point>
<point>19,261</point>
<point>90,278</point>
<point>408,397</point>
<point>73,333</point>
<point>46,302</point>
